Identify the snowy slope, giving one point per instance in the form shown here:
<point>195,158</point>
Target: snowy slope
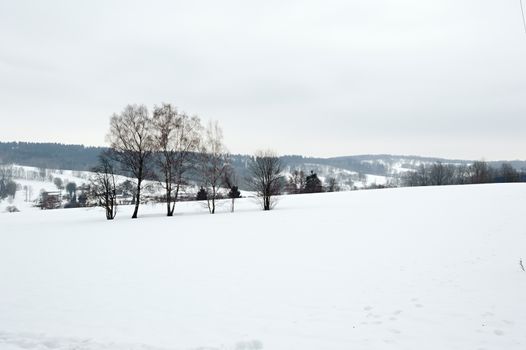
<point>410,268</point>
<point>32,183</point>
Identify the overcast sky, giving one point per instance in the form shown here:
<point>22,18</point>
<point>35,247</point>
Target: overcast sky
<point>323,78</point>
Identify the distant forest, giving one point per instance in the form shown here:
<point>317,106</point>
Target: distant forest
<point>79,157</point>
<point>82,158</point>
<point>49,155</point>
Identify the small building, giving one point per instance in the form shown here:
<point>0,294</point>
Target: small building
<point>50,200</point>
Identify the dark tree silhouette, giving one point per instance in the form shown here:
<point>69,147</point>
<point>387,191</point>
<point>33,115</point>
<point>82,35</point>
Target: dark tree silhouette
<point>71,188</point>
<point>313,183</point>
<point>201,195</point>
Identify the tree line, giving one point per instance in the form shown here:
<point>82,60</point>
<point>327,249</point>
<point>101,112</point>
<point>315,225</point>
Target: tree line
<point>170,147</point>
<point>298,182</point>
<point>479,172</point>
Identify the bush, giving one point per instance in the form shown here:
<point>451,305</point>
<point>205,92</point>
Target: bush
<point>202,195</point>
<point>11,209</point>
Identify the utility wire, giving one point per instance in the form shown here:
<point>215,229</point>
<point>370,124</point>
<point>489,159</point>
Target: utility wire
<point>523,19</point>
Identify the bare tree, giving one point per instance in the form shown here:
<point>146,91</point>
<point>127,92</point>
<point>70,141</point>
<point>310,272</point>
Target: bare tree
<point>103,186</point>
<point>332,184</point>
<point>176,137</point>
<point>59,183</point>
<point>132,144</point>
<point>213,163</point>
<point>480,172</point>
<point>297,180</point>
<point>265,177</point>
<point>507,173</point>
<point>461,175</point>
<point>441,174</point>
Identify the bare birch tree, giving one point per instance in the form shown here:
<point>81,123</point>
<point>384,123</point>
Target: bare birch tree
<point>265,177</point>
<point>176,138</point>
<point>213,163</point>
<point>132,144</point>
<point>296,182</point>
<point>103,186</point>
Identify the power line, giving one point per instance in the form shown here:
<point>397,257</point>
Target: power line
<point>523,19</point>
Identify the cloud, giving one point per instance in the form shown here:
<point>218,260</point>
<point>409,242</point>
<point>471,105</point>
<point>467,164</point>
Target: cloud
<point>321,77</point>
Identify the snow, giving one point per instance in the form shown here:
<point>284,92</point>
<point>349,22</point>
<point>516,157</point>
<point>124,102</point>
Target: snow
<point>408,268</point>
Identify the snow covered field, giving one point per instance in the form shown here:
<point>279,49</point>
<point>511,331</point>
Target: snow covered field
<point>411,268</point>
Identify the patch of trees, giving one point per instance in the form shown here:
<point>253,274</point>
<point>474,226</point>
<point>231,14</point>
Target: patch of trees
<point>173,149</point>
<point>370,164</point>
<point>298,183</point>
<point>49,155</point>
<point>438,174</point>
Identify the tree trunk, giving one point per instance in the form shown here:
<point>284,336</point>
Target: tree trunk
<point>137,200</point>
<point>172,209</point>
<point>214,200</point>
<point>169,212</point>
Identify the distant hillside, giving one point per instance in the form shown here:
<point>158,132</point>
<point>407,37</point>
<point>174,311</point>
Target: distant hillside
<point>49,155</point>
<point>347,169</point>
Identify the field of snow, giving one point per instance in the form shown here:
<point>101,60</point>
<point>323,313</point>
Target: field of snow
<point>409,268</point>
